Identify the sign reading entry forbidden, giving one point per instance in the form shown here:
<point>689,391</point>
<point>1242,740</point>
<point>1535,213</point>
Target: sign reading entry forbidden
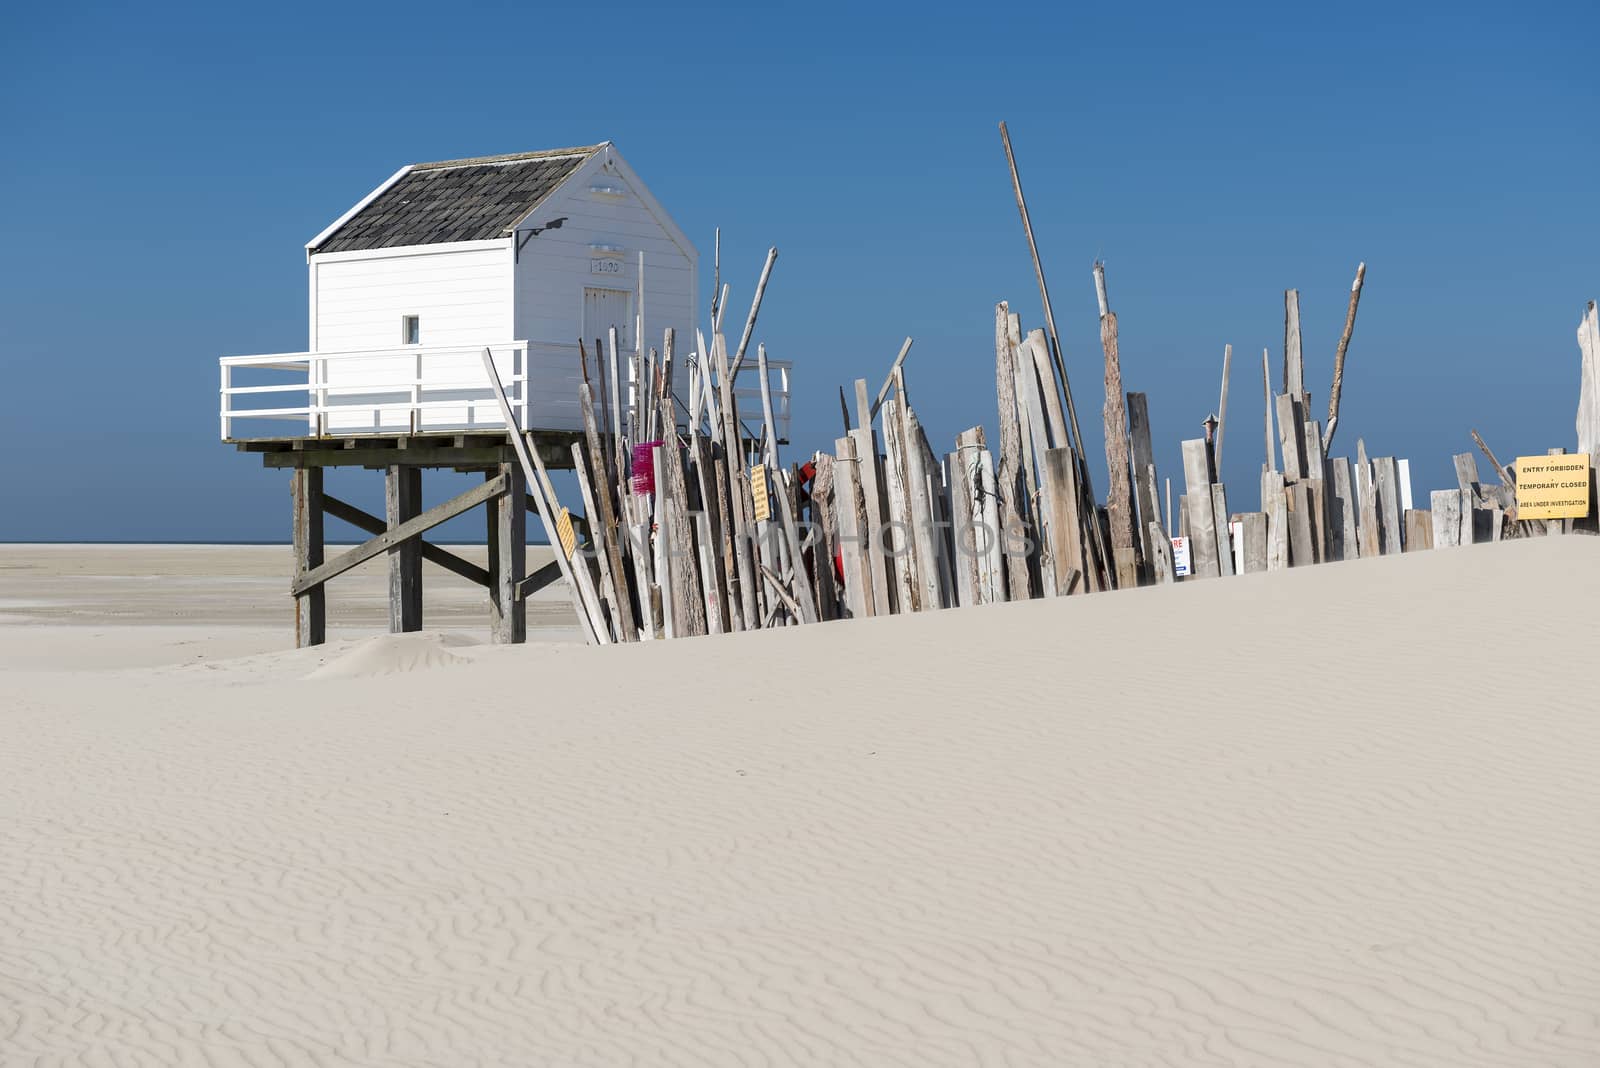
<point>1553,487</point>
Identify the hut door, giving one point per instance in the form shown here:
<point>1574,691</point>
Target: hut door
<point>605,308</point>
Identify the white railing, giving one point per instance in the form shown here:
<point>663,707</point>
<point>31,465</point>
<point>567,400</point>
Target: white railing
<point>747,394</point>
<point>405,389</point>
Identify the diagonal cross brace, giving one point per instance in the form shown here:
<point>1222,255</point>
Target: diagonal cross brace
<point>409,529</point>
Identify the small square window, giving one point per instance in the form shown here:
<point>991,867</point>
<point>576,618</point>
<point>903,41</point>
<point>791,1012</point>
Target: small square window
<point>411,330</point>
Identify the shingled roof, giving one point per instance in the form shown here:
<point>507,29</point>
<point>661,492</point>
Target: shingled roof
<point>456,200</point>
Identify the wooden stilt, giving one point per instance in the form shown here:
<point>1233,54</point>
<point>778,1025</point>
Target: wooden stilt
<point>310,605</point>
<point>508,557</point>
<point>402,500</point>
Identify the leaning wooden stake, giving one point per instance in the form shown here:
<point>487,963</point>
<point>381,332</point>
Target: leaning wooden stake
<point>755,309</point>
<point>1338,358</point>
<point>1055,346</point>
<point>1222,407</point>
<point>533,470</point>
<point>1123,566</point>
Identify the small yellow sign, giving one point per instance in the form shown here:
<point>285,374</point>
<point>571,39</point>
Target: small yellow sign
<point>569,540</point>
<point>1553,487</point>
<point>758,492</point>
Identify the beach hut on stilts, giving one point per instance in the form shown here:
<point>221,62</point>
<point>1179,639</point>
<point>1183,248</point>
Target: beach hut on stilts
<point>442,273</point>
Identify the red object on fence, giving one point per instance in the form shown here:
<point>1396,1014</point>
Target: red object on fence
<point>644,467</point>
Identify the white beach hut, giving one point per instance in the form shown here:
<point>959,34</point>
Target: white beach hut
<point>522,254</point>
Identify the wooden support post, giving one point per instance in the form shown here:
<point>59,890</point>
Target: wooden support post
<point>508,557</point>
<point>964,540</point>
<point>850,516</point>
<point>402,500</point>
<point>311,604</point>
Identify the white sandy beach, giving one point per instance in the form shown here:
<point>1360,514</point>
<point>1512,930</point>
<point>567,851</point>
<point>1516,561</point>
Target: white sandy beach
<point>1344,816</point>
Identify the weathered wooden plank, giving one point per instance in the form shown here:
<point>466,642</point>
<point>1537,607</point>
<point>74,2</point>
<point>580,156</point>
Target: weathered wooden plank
<point>688,604</point>
<point>1144,469</point>
<point>1123,572</point>
<point>1037,347</point>
<point>1386,475</point>
<point>1273,496</point>
<point>964,559</point>
<point>877,537</point>
<point>1254,535</point>
<point>1446,517</point>
<point>1419,530</point>
<point>402,501</point>
<point>548,575</point>
<point>1291,437</point>
<point>1204,547</point>
<point>1222,404</point>
<point>1059,474</point>
<point>589,614</point>
<point>1302,542</point>
<point>507,521</point>
<point>898,534</point>
<point>826,533</point>
<point>1013,501</point>
<point>1294,379</point>
<point>1316,492</point>
<point>1161,554</point>
<point>919,487</point>
<point>604,484</point>
<point>1342,539</point>
<point>1051,542</point>
<point>850,516</point>
<point>310,602</point>
<point>601,543</point>
<point>1466,472</point>
<point>1369,523</point>
<point>1224,537</point>
<point>713,573</point>
<point>1266,389</point>
<point>986,511</point>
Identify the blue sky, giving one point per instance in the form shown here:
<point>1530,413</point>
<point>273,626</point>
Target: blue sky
<point>164,165</point>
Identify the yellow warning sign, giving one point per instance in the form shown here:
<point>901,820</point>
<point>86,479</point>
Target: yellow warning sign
<point>569,540</point>
<point>758,492</point>
<point>1553,487</point>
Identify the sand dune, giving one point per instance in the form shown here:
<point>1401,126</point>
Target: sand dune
<point>1344,816</point>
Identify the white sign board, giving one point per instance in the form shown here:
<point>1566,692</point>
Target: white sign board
<point>1180,557</point>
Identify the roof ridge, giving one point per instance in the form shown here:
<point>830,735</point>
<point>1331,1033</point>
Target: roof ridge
<point>514,157</point>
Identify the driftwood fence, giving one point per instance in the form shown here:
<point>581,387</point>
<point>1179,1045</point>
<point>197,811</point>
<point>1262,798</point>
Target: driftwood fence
<point>693,524</point>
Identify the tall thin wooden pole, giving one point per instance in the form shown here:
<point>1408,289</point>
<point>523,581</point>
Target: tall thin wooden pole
<point>1338,358</point>
<point>1266,389</point>
<point>755,309</point>
<point>1055,342</point>
<point>1222,405</point>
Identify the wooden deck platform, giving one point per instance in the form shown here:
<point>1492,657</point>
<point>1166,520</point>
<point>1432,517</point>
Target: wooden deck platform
<point>455,451</point>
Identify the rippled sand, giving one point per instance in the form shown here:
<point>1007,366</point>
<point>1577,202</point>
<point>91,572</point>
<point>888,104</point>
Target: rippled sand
<point>1342,816</point>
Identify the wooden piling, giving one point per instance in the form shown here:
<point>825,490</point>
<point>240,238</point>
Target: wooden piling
<point>507,517</point>
<point>402,500</point>
<point>311,605</point>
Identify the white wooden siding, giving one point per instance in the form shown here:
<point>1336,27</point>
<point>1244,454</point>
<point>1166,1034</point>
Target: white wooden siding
<point>460,292</point>
<point>553,271</point>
